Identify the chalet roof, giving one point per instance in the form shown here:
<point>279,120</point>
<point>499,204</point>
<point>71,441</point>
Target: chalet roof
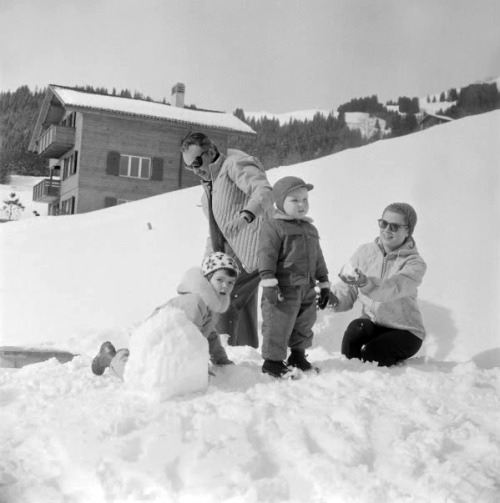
<point>427,115</point>
<point>80,100</point>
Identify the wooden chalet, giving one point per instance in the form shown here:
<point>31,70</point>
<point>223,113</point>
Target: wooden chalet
<point>428,120</point>
<point>105,150</point>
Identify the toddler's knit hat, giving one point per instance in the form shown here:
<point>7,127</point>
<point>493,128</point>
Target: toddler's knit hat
<point>284,186</point>
<point>216,261</point>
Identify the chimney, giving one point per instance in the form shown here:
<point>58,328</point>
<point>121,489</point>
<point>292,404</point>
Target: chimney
<point>178,95</point>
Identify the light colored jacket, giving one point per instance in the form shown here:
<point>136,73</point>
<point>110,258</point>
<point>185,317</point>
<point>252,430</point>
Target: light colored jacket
<point>289,251</point>
<point>198,299</point>
<point>389,298</point>
<point>239,183</point>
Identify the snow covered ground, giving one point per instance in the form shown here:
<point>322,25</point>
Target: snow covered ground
<point>423,432</point>
<point>22,186</point>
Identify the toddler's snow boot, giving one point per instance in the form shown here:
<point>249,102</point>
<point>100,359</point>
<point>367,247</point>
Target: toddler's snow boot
<point>221,361</point>
<point>101,362</point>
<point>278,369</point>
<point>298,359</point>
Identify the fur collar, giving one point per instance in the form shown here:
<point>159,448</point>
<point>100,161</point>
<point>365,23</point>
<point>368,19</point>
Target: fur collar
<point>194,282</point>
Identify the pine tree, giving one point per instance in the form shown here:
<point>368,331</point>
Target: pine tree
<point>12,207</point>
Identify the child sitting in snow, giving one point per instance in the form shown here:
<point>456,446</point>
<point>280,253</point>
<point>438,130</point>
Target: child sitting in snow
<point>290,262</point>
<point>204,293</point>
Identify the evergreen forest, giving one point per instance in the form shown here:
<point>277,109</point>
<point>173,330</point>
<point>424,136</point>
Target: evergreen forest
<point>275,144</point>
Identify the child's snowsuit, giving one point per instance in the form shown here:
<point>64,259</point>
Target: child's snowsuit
<point>198,299</point>
<point>289,251</point>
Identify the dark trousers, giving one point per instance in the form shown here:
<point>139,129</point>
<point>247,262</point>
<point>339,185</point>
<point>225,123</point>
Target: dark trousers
<point>369,342</point>
<point>240,320</point>
<point>288,323</point>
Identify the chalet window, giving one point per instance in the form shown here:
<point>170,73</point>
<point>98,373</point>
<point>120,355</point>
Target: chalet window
<point>65,169</point>
<point>135,167</point>
<point>69,165</point>
<point>68,206</point>
<point>69,120</point>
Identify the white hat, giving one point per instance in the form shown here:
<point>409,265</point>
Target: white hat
<point>216,261</point>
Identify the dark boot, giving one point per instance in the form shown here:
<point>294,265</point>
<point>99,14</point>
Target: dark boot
<point>277,369</point>
<point>101,362</point>
<point>298,359</point>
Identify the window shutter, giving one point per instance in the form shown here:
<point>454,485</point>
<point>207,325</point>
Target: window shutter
<point>110,201</point>
<point>157,171</point>
<point>113,164</point>
<point>75,162</point>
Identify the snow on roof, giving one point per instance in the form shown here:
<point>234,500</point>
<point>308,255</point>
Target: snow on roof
<point>81,99</point>
<point>443,117</point>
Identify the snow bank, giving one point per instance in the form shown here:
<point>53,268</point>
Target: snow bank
<point>426,431</point>
<point>75,281</point>
<point>355,433</point>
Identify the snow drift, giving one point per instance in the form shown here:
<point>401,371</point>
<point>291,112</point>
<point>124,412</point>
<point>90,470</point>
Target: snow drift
<point>423,432</point>
<point>67,281</point>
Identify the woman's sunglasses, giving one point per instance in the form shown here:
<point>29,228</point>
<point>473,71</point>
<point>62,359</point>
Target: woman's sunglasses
<point>383,224</point>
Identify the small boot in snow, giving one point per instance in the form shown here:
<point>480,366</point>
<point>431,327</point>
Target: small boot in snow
<point>117,365</point>
<point>221,361</point>
<point>101,362</point>
<point>298,359</point>
<point>277,369</point>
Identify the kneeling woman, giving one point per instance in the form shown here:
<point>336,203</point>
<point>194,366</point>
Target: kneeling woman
<point>385,275</point>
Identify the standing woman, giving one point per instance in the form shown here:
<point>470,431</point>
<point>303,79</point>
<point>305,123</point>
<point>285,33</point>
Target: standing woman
<point>384,275</point>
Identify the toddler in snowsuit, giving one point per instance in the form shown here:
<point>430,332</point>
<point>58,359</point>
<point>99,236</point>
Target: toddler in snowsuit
<point>291,264</point>
<point>204,293</point>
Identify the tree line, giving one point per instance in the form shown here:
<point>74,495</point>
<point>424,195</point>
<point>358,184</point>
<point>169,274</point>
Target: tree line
<point>275,144</point>
<point>18,113</point>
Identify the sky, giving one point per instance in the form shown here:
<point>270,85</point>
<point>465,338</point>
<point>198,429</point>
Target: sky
<point>426,431</point>
<point>260,55</point>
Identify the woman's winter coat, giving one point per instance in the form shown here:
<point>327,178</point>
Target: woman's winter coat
<point>389,298</point>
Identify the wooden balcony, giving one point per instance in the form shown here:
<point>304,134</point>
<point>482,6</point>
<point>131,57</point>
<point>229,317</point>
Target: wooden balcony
<point>56,141</point>
<point>47,191</point>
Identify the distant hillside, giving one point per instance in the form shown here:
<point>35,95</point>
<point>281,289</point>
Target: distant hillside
<point>282,139</point>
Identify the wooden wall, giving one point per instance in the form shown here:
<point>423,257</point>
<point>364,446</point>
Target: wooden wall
<point>104,132</point>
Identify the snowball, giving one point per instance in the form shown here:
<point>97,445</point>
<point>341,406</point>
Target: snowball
<point>349,271</point>
<point>168,356</point>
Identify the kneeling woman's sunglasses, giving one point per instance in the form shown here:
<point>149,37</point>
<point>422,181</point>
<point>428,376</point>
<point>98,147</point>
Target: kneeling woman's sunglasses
<point>392,227</point>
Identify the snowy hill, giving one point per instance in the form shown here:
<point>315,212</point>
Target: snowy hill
<point>424,432</point>
<point>365,123</point>
<point>354,120</point>
<point>22,186</point>
<point>360,120</point>
<point>87,267</point>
